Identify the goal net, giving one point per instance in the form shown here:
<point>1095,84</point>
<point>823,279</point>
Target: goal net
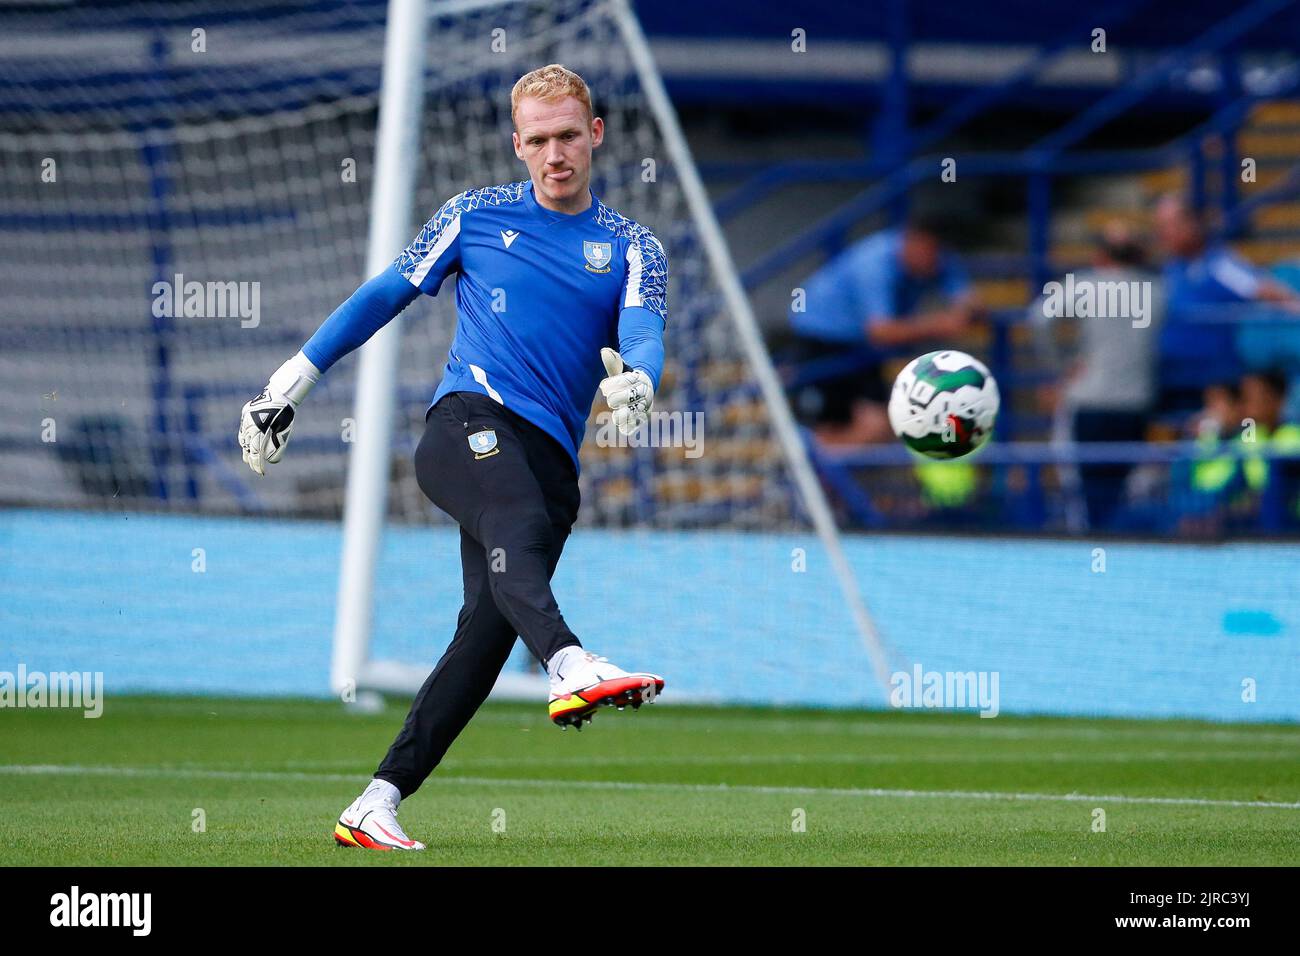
<point>186,198</point>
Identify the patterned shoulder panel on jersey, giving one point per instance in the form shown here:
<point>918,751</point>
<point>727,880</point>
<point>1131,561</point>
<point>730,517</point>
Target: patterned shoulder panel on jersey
<point>430,254</point>
<point>646,282</point>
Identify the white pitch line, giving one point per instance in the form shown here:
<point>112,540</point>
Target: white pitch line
<point>76,770</point>
<point>718,788</point>
<point>850,759</point>
<point>600,760</point>
<point>312,767</point>
<point>772,723</point>
<point>987,729</point>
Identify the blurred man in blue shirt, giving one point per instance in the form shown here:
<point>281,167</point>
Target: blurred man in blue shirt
<point>1206,285</point>
<point>892,289</point>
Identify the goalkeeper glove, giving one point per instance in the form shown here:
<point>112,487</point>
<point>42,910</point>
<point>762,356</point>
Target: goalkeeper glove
<point>629,394</point>
<point>267,420</point>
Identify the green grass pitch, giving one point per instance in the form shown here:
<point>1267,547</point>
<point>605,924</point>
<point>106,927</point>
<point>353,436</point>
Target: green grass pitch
<point>665,785</point>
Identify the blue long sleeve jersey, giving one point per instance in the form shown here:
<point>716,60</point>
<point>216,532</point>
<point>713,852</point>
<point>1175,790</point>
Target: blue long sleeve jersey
<point>538,294</point>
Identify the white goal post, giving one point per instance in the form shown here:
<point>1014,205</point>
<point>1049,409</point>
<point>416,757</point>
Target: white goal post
<point>365,504</point>
<point>355,665</point>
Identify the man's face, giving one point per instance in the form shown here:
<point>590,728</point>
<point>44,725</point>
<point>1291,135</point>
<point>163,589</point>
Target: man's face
<point>1221,405</point>
<point>1177,229</point>
<point>920,254</point>
<point>1260,402</point>
<point>555,141</point>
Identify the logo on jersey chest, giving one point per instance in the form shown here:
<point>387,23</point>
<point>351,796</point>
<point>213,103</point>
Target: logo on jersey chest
<point>483,443</point>
<point>597,255</point>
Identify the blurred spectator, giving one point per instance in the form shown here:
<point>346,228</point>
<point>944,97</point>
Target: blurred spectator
<point>1263,406</point>
<point>1220,413</point>
<point>1240,427</point>
<point>1203,283</point>
<point>1218,421</point>
<point>1275,344</point>
<point>889,290</point>
<point>950,494</point>
<point>1110,384</point>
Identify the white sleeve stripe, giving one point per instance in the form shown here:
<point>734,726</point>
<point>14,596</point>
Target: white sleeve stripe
<point>444,242</point>
<point>633,297</point>
<point>1240,280</point>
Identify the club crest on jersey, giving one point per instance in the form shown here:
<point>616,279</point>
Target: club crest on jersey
<point>483,443</point>
<point>598,255</point>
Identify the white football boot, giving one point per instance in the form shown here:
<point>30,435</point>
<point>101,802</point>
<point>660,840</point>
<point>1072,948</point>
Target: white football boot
<point>371,822</point>
<point>584,682</point>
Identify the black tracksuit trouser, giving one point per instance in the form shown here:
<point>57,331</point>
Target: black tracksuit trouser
<point>513,490</point>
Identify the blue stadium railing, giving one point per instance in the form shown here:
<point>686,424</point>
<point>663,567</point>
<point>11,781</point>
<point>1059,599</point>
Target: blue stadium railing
<point>830,234</point>
<point>1023,504</point>
<point>894,173</point>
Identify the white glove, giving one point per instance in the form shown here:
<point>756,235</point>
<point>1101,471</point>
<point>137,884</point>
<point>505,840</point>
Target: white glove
<point>629,394</point>
<point>267,421</point>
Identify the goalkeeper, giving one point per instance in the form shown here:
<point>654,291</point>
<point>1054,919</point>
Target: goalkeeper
<point>500,448</point>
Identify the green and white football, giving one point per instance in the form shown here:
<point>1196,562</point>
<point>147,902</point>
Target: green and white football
<point>944,404</point>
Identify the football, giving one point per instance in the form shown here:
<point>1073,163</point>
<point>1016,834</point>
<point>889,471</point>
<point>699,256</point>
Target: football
<point>944,404</point>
